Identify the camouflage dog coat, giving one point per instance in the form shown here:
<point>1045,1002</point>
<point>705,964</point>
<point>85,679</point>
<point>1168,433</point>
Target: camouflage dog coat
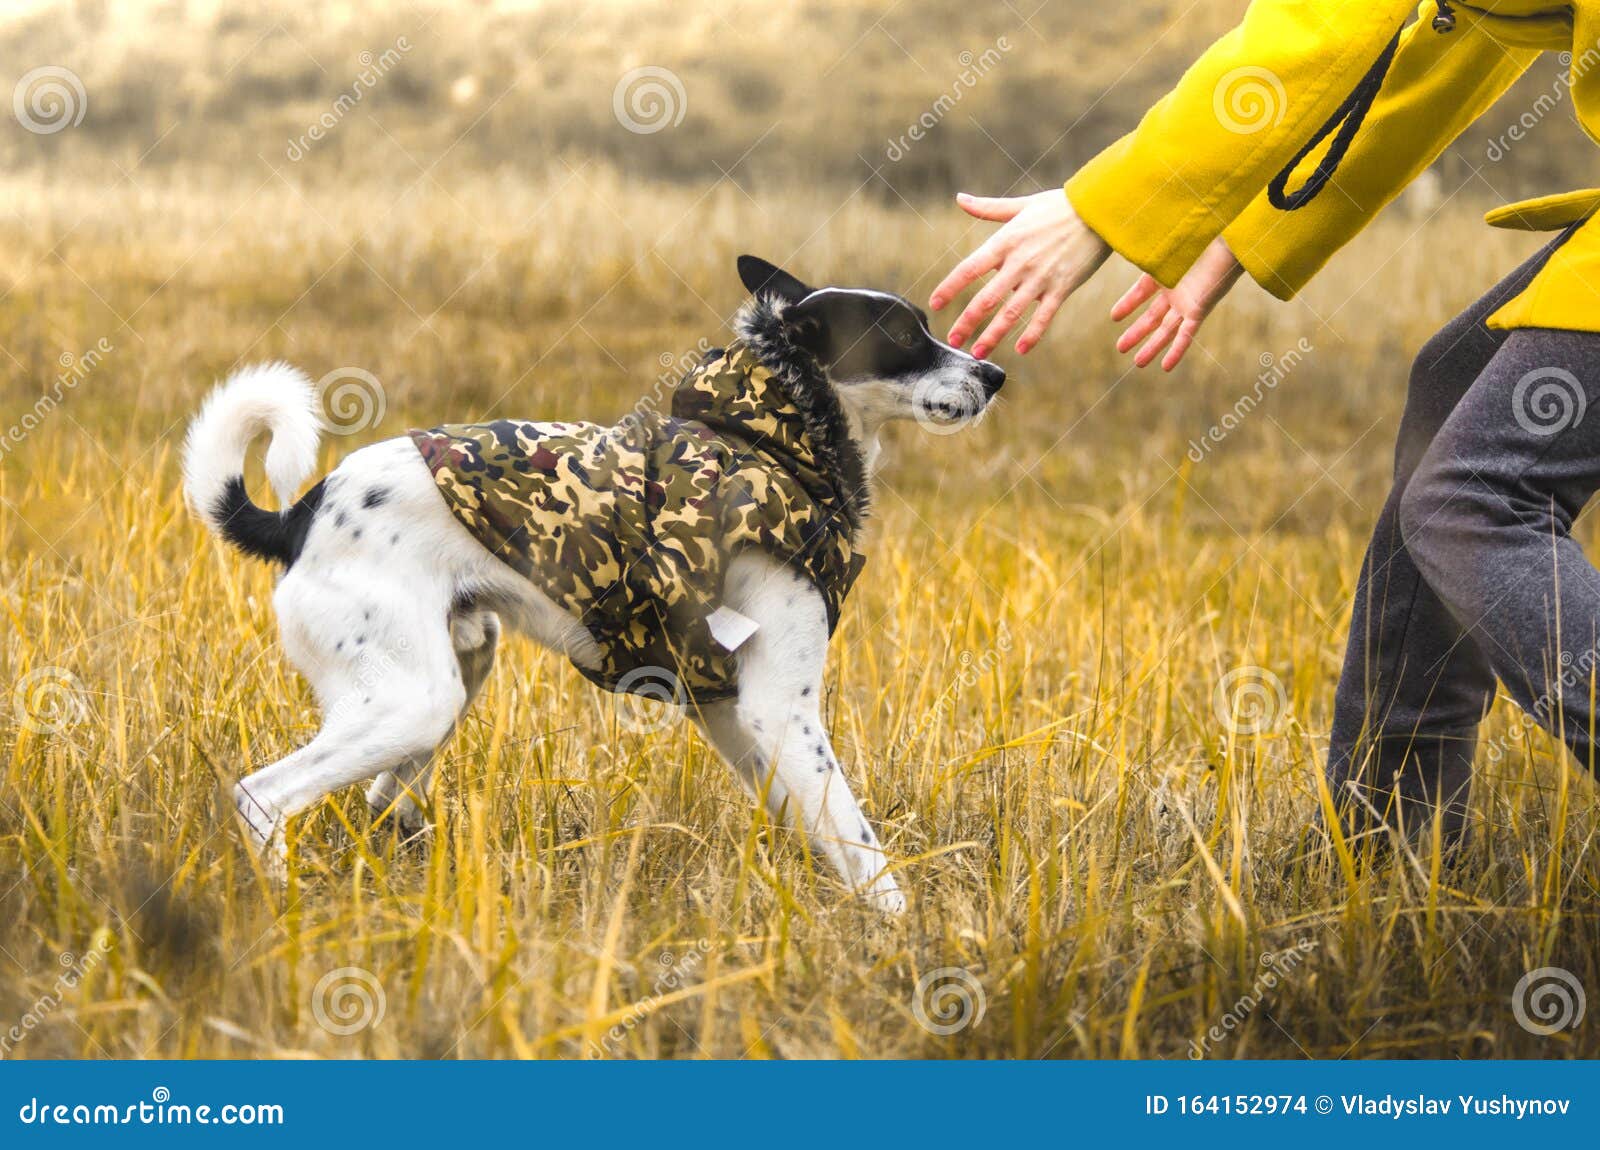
<point>631,527</point>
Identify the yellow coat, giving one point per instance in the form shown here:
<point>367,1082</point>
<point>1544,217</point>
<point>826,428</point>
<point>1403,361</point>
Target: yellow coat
<point>1198,164</point>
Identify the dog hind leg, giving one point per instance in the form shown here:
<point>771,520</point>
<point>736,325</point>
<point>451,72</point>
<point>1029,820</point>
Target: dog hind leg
<point>475,636</point>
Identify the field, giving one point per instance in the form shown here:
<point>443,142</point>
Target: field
<point>1083,689</point>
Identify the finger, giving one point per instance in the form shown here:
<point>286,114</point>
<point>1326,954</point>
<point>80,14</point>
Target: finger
<point>1144,325</point>
<point>991,297</point>
<point>1040,322</point>
<point>1162,337</point>
<point>995,208</point>
<point>979,263</point>
<point>1143,288</point>
<point>1009,316</point>
<point>1180,344</point>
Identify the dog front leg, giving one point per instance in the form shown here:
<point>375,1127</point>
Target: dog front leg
<point>773,736</point>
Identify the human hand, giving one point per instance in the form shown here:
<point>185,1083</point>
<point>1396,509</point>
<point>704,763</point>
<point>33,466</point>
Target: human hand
<point>1044,253</point>
<point>1175,314</point>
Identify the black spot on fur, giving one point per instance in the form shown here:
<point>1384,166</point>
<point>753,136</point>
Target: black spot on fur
<point>822,751</point>
<point>804,691</point>
<point>393,539</point>
<point>356,534</point>
<point>360,640</point>
<point>866,834</point>
<point>339,520</point>
<point>377,497</point>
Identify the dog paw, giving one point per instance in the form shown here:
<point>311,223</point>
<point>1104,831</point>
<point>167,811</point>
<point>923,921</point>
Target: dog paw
<point>263,830</point>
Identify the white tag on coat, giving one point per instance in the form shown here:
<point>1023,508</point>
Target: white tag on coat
<point>730,628</point>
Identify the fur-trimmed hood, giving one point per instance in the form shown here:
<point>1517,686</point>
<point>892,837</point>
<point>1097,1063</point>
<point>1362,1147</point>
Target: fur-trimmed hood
<point>803,422</point>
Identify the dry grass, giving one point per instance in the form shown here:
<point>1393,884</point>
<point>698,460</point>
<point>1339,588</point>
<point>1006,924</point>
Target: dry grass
<point>1024,689</point>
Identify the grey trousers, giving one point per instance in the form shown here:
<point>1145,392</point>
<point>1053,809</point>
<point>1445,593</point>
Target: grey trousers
<point>1472,574</point>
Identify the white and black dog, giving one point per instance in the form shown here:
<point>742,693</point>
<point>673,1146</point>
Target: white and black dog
<point>392,607</point>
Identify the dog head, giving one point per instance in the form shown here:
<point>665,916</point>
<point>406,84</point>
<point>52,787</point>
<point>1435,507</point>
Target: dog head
<point>877,352</point>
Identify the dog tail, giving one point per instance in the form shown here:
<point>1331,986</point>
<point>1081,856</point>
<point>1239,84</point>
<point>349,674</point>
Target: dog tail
<point>273,398</point>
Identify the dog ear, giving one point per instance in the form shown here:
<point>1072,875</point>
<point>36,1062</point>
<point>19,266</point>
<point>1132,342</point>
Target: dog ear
<point>762,278</point>
<point>806,321</point>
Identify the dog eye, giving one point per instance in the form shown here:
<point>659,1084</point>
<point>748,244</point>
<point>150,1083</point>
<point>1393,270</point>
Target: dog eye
<point>905,339</point>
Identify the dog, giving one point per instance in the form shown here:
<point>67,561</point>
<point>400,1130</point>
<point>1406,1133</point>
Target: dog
<point>700,557</point>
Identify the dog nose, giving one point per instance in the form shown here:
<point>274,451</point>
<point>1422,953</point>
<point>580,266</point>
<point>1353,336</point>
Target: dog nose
<point>993,376</point>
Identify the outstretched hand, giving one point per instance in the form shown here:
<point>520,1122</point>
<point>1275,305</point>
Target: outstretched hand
<point>1043,254</point>
<point>1175,314</point>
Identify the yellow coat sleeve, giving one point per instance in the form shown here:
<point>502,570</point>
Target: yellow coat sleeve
<point>1437,86</point>
<point>1167,189</point>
